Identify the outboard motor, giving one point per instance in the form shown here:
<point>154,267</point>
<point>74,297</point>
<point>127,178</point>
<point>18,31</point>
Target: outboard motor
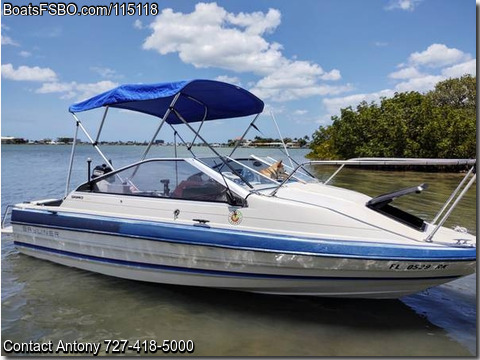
<point>100,170</point>
<point>166,189</point>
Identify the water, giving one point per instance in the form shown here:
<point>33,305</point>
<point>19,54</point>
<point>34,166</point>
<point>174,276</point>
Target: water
<point>42,301</point>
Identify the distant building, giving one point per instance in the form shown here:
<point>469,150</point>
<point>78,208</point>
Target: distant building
<point>13,140</point>
<point>64,140</point>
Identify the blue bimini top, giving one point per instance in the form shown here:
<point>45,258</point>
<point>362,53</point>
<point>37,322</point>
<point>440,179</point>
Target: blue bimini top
<point>198,100</point>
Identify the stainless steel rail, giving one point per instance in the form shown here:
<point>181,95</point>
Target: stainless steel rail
<point>5,214</point>
<point>402,162</point>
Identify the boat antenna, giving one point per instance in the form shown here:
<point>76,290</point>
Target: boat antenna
<point>281,137</point>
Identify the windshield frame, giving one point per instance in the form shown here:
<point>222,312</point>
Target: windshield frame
<point>198,165</point>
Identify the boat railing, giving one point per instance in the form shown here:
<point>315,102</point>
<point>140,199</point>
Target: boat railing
<point>447,207</point>
<point>6,214</point>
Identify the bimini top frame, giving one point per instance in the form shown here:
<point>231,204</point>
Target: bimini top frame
<point>181,102</point>
<point>190,98</point>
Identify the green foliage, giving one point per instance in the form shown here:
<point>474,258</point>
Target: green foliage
<point>322,144</point>
<point>64,140</point>
<point>438,124</point>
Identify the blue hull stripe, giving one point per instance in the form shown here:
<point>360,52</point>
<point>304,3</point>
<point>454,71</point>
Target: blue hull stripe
<point>237,239</point>
<point>215,272</point>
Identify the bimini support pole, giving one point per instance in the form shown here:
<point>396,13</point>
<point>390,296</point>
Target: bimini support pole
<point>183,142</point>
<point>72,155</point>
<point>203,120</point>
<point>281,138</point>
<point>211,148</point>
<point>252,124</point>
<point>101,124</point>
<point>165,117</point>
<point>175,143</point>
<point>447,214</point>
<point>79,123</point>
<point>176,156</point>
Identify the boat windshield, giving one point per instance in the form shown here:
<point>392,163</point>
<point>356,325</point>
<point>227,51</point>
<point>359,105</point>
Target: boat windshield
<point>172,178</point>
<point>300,174</point>
<point>250,172</point>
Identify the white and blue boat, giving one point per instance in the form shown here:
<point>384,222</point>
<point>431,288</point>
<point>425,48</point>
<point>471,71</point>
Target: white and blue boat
<point>246,224</point>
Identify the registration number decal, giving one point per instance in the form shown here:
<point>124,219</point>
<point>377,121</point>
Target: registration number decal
<point>402,266</point>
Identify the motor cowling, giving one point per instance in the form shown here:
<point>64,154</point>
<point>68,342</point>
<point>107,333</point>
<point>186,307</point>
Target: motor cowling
<point>101,170</point>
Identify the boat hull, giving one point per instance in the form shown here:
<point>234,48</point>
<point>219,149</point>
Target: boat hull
<point>179,262</point>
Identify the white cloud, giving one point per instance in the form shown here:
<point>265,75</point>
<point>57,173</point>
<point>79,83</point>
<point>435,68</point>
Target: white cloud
<point>300,112</point>
<point>333,105</point>
<point>332,75</point>
<point>137,24</point>
<point>86,91</point>
<point>438,63</point>
<point>420,84</point>
<point>105,72</point>
<point>75,90</point>
<point>280,94</point>
<point>257,22</point>
<point>229,79</point>
<point>406,73</point>
<point>49,32</point>
<point>7,40</point>
<point>212,37</point>
<point>458,70</point>
<point>380,43</point>
<point>298,79</point>
<point>51,84</point>
<point>66,89</point>
<point>25,73</point>
<point>295,74</point>
<point>406,5</point>
<point>25,54</point>
<point>438,55</point>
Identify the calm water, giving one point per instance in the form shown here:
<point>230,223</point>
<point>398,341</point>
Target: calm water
<point>42,301</point>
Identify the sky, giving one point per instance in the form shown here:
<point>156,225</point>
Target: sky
<point>306,59</point>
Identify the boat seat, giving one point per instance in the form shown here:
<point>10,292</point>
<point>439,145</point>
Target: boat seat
<point>194,190</point>
<point>178,192</point>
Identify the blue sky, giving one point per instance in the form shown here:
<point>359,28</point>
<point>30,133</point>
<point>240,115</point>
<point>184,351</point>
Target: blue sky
<point>306,59</point>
